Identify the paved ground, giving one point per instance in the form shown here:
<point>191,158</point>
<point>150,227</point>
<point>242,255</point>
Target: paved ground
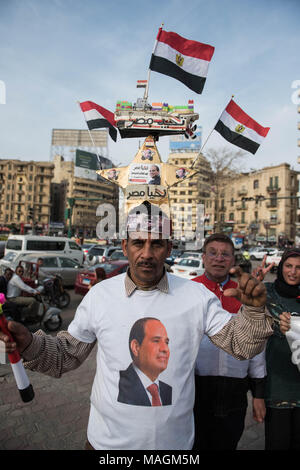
<point>57,417</point>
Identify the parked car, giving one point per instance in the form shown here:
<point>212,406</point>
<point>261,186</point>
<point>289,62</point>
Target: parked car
<point>85,248</point>
<point>274,258</point>
<point>34,243</point>
<point>174,254</point>
<point>188,254</point>
<point>188,268</point>
<point>243,262</point>
<point>12,259</point>
<point>261,252</point>
<point>117,255</point>
<point>99,254</point>
<point>65,267</point>
<point>87,276</point>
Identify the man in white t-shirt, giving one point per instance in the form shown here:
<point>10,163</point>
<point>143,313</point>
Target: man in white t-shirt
<point>106,315</point>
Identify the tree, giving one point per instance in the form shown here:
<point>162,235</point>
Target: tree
<point>225,164</point>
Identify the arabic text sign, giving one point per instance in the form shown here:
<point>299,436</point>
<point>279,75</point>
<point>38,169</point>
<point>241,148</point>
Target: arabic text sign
<point>145,192</point>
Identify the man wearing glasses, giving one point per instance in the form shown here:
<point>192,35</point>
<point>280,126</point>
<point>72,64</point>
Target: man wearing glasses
<point>221,381</point>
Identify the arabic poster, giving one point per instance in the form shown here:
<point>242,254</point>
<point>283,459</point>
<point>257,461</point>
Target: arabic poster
<point>146,192</point>
<point>144,173</point>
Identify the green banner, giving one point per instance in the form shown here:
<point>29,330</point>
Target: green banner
<point>86,164</point>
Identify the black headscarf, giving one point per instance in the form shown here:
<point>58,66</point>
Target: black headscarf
<point>282,287</point>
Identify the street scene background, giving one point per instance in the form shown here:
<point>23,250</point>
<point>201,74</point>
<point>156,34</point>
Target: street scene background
<point>57,418</point>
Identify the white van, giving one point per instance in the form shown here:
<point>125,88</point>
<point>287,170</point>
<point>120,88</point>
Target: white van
<point>24,244</point>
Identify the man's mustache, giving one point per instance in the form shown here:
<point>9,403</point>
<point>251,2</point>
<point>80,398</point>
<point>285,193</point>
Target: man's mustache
<point>146,264</point>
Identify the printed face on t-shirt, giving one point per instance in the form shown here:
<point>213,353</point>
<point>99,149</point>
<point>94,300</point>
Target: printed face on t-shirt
<point>152,355</point>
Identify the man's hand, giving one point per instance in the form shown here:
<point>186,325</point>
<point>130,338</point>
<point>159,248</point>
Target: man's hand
<point>260,272</point>
<point>285,322</point>
<point>250,291</point>
<point>259,409</point>
<point>21,335</point>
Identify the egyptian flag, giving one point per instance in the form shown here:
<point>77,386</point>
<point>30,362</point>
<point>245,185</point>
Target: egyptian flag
<point>141,83</point>
<point>240,129</point>
<point>97,117</point>
<point>180,58</point>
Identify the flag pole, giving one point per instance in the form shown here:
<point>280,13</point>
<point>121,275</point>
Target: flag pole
<point>197,156</point>
<point>205,142</point>
<point>91,137</point>
<point>149,70</point>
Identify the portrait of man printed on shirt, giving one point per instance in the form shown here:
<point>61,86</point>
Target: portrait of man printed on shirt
<point>149,350</point>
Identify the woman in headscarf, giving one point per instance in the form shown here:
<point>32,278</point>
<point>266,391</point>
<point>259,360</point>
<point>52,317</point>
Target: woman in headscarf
<point>282,397</point>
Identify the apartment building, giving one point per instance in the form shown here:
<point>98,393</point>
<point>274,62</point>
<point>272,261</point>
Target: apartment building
<point>298,194</point>
<point>185,196</point>
<point>66,185</point>
<point>261,204</point>
<point>25,192</point>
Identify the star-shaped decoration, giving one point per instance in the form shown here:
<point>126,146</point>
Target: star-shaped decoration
<point>147,178</point>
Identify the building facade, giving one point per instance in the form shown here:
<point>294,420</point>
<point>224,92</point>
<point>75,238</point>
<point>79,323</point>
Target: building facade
<point>185,196</point>
<point>298,206</point>
<point>261,204</point>
<point>25,192</point>
<point>86,194</point>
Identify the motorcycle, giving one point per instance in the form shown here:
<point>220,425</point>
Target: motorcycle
<point>54,292</point>
<point>47,316</point>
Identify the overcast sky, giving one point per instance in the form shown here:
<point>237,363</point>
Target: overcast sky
<point>56,52</point>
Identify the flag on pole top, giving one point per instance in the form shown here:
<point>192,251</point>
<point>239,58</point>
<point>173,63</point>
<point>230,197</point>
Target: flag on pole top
<point>182,59</point>
<point>141,83</point>
<point>97,117</point>
<point>240,129</point>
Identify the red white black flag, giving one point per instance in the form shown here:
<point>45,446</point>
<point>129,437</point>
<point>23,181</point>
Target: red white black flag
<point>181,58</point>
<point>98,117</point>
<point>240,129</point>
<point>141,83</point>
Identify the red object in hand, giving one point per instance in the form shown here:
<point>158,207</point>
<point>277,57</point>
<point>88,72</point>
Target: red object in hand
<point>22,381</point>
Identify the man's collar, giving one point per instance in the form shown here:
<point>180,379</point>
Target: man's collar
<point>130,286</point>
<point>221,283</point>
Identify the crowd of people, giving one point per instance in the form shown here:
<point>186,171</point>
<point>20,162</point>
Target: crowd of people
<point>191,349</point>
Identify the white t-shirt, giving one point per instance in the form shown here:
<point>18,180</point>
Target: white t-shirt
<point>187,312</point>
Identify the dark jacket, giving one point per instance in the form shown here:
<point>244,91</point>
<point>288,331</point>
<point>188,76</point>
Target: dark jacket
<point>155,180</point>
<point>132,392</point>
<point>3,285</point>
<point>283,377</point>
